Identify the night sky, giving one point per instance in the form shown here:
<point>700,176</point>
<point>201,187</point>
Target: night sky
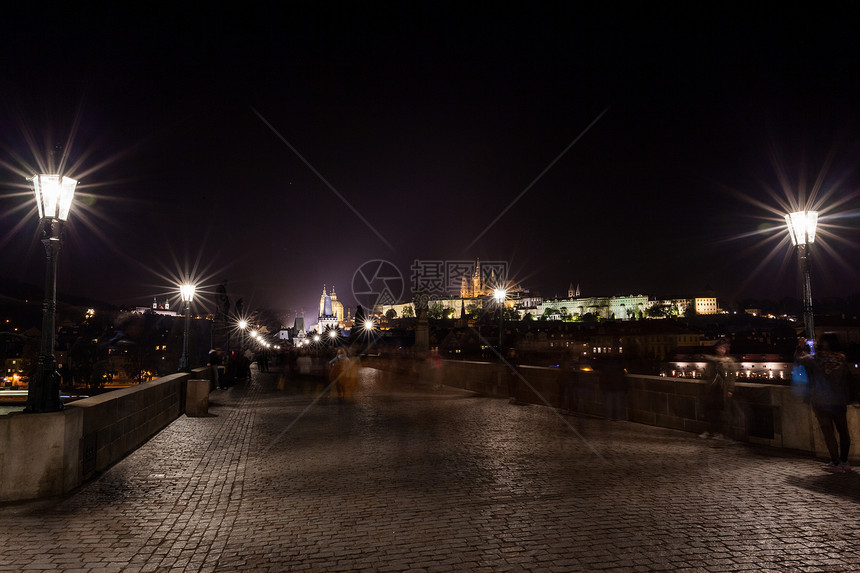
<point>430,119</point>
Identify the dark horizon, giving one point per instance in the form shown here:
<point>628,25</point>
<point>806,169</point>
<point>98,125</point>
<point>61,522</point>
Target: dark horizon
<point>281,153</point>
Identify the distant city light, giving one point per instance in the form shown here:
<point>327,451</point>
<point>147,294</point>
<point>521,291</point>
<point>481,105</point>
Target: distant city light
<point>243,324</point>
<point>332,334</point>
<point>368,324</point>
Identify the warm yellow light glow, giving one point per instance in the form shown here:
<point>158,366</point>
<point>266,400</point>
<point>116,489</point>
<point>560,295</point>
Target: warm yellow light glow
<point>500,294</point>
<point>53,195</point>
<point>332,334</point>
<point>801,226</point>
<point>186,291</point>
<point>368,324</point>
<point>243,324</point>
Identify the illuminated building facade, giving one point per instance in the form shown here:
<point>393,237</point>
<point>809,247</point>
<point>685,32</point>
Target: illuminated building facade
<point>330,311</point>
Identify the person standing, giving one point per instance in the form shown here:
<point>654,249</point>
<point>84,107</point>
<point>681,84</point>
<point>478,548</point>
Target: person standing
<point>613,380</point>
<point>719,376</point>
<point>829,395</point>
<point>215,363</point>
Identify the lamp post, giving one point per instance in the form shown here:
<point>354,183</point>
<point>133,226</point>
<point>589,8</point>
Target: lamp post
<point>186,291</point>
<point>54,195</point>
<point>801,229</point>
<point>243,326</point>
<point>500,294</point>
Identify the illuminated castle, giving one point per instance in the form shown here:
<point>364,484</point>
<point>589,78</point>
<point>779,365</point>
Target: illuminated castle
<point>474,286</point>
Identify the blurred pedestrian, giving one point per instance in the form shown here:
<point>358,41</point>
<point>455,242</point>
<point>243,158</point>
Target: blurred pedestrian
<point>513,375</point>
<point>719,376</point>
<point>567,379</point>
<point>215,363</point>
<point>338,372</point>
<point>829,396</point>
<point>613,380</point>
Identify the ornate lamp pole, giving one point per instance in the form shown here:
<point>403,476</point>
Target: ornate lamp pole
<point>801,229</point>
<point>500,295</point>
<point>186,291</point>
<point>243,326</point>
<point>54,195</point>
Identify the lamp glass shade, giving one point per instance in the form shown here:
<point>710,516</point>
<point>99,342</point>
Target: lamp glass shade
<point>54,194</point>
<point>186,292</point>
<point>801,226</point>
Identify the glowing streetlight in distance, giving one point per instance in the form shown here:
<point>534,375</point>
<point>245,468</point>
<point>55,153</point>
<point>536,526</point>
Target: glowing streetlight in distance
<point>500,295</point>
<point>332,334</point>
<point>801,227</point>
<point>368,324</point>
<point>243,324</point>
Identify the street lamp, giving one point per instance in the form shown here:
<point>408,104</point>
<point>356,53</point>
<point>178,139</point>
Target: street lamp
<point>243,327</point>
<point>54,195</point>
<point>801,229</point>
<point>500,294</point>
<point>186,291</point>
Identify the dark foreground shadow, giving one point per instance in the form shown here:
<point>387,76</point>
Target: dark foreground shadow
<point>846,486</point>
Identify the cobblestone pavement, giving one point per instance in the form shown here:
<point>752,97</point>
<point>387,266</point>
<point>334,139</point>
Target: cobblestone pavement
<point>414,478</point>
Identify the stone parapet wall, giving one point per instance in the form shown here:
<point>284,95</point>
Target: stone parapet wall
<point>763,414</point>
<point>44,455</point>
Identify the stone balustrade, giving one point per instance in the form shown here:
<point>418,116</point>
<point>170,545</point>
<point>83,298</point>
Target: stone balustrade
<point>44,455</point>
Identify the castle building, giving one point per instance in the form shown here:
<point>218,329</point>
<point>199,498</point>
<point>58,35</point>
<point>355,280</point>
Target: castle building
<point>474,286</point>
<point>336,305</point>
<point>330,311</point>
<point>299,334</point>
